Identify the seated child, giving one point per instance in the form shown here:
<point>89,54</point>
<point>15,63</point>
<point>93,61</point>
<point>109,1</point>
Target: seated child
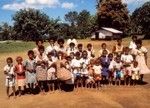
<point>10,76</point>
<point>104,47</point>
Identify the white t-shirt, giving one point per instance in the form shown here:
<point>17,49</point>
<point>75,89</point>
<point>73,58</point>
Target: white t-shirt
<point>132,45</point>
<point>41,58</point>
<point>97,69</point>
<point>126,58</point>
<point>71,41</point>
<point>89,53</point>
<point>51,48</point>
<point>115,65</point>
<point>76,63</point>
<point>9,70</point>
<point>69,50</point>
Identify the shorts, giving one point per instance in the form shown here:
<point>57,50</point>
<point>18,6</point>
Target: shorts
<point>10,82</point>
<point>20,82</point>
<point>118,75</point>
<point>135,77</point>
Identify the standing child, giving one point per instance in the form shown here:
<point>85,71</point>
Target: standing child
<point>104,47</point>
<point>30,65</point>
<point>116,67</point>
<point>105,65</point>
<point>20,72</point>
<point>135,73</point>
<point>39,43</point>
<point>127,60</point>
<point>118,48</point>
<point>41,69</point>
<point>97,73</point>
<point>90,51</point>
<point>10,76</point>
<point>71,49</point>
<point>80,49</point>
<point>110,62</point>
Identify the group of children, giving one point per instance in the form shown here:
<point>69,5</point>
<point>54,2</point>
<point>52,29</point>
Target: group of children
<point>71,64</point>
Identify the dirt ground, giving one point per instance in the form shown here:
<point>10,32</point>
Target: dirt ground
<point>106,97</point>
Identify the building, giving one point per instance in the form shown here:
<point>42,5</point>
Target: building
<point>106,34</point>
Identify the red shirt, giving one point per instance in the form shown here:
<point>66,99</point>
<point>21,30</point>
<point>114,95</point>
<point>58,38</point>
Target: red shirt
<point>20,71</point>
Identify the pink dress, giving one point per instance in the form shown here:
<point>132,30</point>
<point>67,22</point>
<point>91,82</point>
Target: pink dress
<point>140,58</point>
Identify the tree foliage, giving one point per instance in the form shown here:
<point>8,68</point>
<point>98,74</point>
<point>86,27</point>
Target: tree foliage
<point>141,20</point>
<point>113,13</point>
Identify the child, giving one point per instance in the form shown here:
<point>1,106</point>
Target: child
<point>118,48</point>
<point>135,73</point>
<point>80,49</point>
<point>127,60</point>
<point>97,73</point>
<point>72,40</point>
<point>30,65</point>
<point>51,76</point>
<point>71,49</point>
<point>51,46</point>
<point>61,45</point>
<point>133,43</point>
<point>84,67</point>
<point>116,67</point>
<point>76,68</point>
<point>41,69</point>
<point>110,62</point>
<point>105,64</point>
<point>39,43</point>
<point>104,47</point>
<point>10,76</point>
<point>20,72</point>
<point>90,51</point>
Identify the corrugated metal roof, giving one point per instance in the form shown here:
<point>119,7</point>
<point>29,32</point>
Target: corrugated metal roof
<point>112,30</point>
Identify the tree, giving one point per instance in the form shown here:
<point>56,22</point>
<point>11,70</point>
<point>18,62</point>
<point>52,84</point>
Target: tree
<point>5,31</point>
<point>30,24</point>
<point>113,13</point>
<point>141,20</point>
<point>71,17</point>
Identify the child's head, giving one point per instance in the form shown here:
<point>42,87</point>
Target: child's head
<point>104,53</point>
<point>68,58</point>
<point>41,49</point>
<point>80,47</point>
<point>9,60</point>
<point>71,45</point>
<point>126,50</point>
<point>39,42</point>
<point>31,54</point>
<point>97,62</point>
<point>110,56</point>
<point>51,40</point>
<point>118,59</point>
<point>135,64</point>
<point>89,47</point>
<point>84,54</point>
<point>77,55</point>
<point>104,46</point>
<point>72,55</point>
<point>139,43</point>
<point>119,41</point>
<point>61,55</point>
<point>49,55</point>
<point>134,38</point>
<point>61,42</point>
<point>19,60</point>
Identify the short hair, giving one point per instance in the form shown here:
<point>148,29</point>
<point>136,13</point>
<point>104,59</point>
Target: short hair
<point>41,48</point>
<point>30,52</point>
<point>139,41</point>
<point>60,40</point>
<point>77,54</point>
<point>80,45</point>
<point>71,44</point>
<point>38,40</point>
<point>134,37</point>
<point>103,44</point>
<point>52,38</point>
<point>19,57</point>
<point>89,45</point>
<point>9,58</point>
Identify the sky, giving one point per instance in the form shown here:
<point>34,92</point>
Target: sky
<point>55,8</point>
